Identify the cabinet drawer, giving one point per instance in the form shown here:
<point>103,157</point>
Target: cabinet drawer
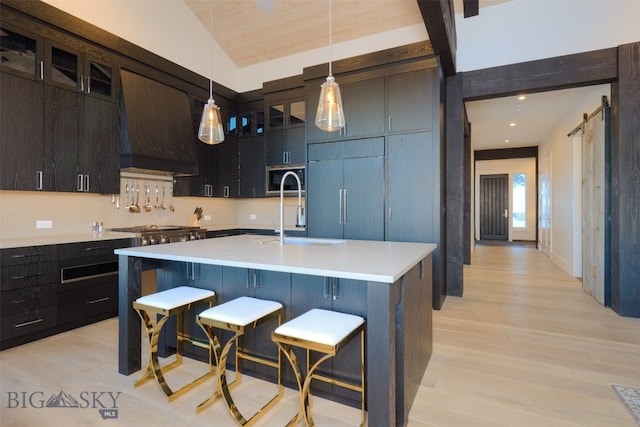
<point>87,302</point>
<point>98,249</point>
<point>26,299</point>
<point>29,321</point>
<point>28,275</point>
<point>27,255</point>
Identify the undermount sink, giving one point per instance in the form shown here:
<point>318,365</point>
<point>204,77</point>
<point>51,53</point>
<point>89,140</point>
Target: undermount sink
<point>305,241</point>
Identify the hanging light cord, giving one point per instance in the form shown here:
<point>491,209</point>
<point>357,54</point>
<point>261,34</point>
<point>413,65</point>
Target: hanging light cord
<point>211,50</point>
<point>330,40</point>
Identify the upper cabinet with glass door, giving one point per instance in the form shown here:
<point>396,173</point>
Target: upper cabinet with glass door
<point>91,72</point>
<point>21,52</point>
<point>286,114</point>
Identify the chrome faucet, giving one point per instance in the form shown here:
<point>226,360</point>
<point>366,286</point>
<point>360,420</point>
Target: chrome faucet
<point>300,215</point>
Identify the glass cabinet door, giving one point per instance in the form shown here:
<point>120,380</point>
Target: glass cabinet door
<point>19,53</point>
<point>64,68</point>
<point>99,79</point>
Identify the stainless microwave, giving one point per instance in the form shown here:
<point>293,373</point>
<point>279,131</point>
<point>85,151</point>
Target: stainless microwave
<point>275,174</point>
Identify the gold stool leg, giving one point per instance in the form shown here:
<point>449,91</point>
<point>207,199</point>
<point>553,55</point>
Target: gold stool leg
<point>153,369</point>
<point>224,389</point>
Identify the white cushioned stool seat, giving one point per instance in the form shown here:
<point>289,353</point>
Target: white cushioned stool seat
<point>174,297</point>
<point>320,326</point>
<point>240,311</point>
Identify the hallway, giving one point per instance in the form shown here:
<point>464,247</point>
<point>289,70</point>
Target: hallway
<point>526,346</point>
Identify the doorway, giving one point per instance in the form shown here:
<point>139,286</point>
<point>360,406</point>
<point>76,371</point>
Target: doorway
<point>494,207</point>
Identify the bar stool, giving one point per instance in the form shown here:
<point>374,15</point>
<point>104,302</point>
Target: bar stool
<point>165,304</point>
<point>322,331</point>
<point>239,316</point>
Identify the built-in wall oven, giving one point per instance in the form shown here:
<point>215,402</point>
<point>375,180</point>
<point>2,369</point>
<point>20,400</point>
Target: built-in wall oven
<point>274,177</point>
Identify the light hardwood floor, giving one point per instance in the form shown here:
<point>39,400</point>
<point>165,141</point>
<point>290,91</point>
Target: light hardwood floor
<point>525,346</point>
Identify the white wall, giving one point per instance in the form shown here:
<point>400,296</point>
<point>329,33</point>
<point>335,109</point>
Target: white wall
<point>526,30</point>
<point>566,178</point>
<point>510,167</point>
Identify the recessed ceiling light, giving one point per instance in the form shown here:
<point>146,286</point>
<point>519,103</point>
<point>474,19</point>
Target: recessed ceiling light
<point>512,124</point>
<point>522,98</point>
<point>506,140</point>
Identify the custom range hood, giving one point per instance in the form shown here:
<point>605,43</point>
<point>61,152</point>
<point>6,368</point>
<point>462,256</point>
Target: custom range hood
<point>156,130</point>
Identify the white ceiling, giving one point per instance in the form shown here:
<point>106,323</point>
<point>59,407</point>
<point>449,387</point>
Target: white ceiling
<point>254,31</point>
<point>536,118</point>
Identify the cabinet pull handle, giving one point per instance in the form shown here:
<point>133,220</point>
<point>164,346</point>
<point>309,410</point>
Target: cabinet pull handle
<point>39,180</point>
<point>79,182</point>
<point>226,191</point>
<point>326,288</point>
<point>421,269</point>
<point>345,205</point>
<point>81,83</point>
<point>88,84</point>
<point>335,288</point>
<point>255,279</point>
<point>248,279</point>
<point>390,215</point>
<point>32,322</point>
<point>341,209</point>
<point>95,301</point>
<point>389,121</point>
<point>26,276</point>
<point>95,248</point>
<point>86,183</point>
<point>26,255</point>
<point>17,301</point>
<point>41,70</point>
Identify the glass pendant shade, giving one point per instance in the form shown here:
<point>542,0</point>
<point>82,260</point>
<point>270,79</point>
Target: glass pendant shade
<point>329,115</point>
<point>210,130</point>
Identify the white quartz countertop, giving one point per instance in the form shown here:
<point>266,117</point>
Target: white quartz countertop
<point>67,238</point>
<point>365,260</point>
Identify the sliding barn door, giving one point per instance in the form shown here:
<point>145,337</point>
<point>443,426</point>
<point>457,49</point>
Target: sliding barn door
<point>595,246</point>
<point>494,207</point>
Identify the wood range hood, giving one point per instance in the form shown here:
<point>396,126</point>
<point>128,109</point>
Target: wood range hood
<point>156,128</point>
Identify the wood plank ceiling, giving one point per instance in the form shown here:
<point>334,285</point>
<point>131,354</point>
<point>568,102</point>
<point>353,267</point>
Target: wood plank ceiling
<point>254,31</point>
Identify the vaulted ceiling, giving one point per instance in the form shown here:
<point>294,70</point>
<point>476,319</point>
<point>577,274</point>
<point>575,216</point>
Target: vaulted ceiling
<point>254,31</point>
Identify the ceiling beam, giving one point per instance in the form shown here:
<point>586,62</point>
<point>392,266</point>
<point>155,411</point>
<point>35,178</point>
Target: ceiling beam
<point>471,8</point>
<point>438,17</point>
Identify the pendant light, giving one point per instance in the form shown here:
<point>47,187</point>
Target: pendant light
<point>329,115</point>
<point>210,130</point>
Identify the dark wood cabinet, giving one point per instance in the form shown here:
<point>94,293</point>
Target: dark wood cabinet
<point>252,167</point>
<point>58,117</point>
<point>28,293</point>
<point>413,188</point>
<point>21,133</point>
<point>410,100</point>
<point>345,189</point>
<point>269,285</point>
<point>286,120</point>
<point>364,105</point>
<point>217,164</point>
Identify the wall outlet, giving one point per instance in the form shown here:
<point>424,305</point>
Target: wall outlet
<point>252,217</point>
<point>207,217</point>
<point>44,223</point>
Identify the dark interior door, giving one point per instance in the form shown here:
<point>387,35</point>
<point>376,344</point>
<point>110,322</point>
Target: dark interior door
<point>494,207</point>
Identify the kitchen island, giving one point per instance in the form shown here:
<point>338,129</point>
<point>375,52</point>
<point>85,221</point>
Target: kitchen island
<point>388,283</point>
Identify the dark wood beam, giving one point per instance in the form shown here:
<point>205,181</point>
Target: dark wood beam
<point>471,8</point>
<point>438,17</point>
<point>562,72</point>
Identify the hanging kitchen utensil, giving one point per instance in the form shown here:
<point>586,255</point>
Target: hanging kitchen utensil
<point>157,205</point>
<point>134,207</point>
<point>126,196</point>
<point>162,203</point>
<point>147,192</point>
